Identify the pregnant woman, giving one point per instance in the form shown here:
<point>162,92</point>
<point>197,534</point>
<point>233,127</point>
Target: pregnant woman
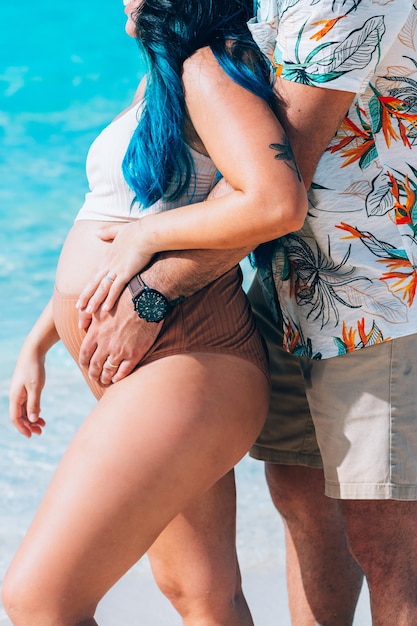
<point>193,406</point>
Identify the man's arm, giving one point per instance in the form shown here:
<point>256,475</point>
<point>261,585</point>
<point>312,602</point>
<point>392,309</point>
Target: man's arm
<point>186,272</point>
<point>310,117</point>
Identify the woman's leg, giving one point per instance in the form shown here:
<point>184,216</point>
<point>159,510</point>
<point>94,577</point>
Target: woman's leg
<point>195,564</point>
<point>154,442</point>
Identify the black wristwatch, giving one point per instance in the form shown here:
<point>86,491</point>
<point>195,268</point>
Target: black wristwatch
<point>150,304</point>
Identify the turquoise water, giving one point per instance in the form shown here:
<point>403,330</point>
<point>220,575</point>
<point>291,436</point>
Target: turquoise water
<point>65,70</point>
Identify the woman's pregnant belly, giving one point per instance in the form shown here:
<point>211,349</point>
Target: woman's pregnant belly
<point>82,256</point>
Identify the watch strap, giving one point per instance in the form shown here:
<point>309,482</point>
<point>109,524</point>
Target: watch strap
<point>137,286</point>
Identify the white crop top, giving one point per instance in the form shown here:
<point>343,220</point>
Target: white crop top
<point>110,198</point>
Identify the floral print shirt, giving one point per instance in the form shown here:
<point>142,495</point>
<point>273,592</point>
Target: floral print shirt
<point>348,278</point>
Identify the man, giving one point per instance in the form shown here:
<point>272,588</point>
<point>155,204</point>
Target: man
<point>346,283</point>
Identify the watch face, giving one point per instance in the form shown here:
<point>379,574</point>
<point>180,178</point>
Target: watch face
<point>151,305</point>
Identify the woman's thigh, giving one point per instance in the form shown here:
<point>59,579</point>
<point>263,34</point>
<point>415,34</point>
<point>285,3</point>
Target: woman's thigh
<point>154,442</point>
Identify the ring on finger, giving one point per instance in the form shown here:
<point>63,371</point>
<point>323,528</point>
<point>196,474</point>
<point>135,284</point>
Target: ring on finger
<point>109,278</point>
<point>110,364</point>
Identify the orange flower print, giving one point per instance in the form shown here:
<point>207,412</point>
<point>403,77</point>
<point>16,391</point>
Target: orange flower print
<point>403,208</point>
<point>277,68</point>
<point>353,142</point>
<point>354,232</point>
<point>394,109</point>
<point>328,25</point>
<point>357,143</point>
<point>348,338</point>
<point>361,330</point>
<point>291,338</point>
<point>395,260</point>
<point>348,343</point>
<point>406,281</point>
<point>373,337</point>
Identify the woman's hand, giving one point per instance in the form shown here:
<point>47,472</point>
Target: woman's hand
<point>126,257</point>
<point>25,393</point>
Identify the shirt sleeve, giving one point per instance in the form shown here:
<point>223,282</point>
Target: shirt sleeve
<point>264,26</point>
<point>336,44</point>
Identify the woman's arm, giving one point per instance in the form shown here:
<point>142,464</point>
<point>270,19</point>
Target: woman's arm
<point>245,140</point>
<point>29,375</point>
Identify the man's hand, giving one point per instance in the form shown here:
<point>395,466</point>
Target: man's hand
<point>116,341</point>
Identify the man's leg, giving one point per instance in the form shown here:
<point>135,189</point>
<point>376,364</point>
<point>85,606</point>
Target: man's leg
<point>323,579</point>
<point>383,537</point>
<point>368,437</point>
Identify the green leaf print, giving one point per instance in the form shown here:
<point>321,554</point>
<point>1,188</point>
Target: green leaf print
<point>340,345</point>
<point>368,157</point>
<point>413,169</point>
<point>355,52</point>
<point>375,110</point>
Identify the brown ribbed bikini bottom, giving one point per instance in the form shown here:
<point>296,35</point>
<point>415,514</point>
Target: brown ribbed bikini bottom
<point>216,319</point>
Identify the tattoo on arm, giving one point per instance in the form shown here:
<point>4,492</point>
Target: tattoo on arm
<point>286,154</point>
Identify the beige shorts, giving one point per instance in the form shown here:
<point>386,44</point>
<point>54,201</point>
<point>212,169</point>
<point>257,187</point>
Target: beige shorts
<point>354,414</point>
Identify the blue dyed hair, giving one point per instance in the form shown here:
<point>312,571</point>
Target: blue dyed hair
<point>158,163</point>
